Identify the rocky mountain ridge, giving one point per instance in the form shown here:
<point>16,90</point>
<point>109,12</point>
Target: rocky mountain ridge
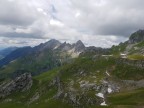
<point>53,45</point>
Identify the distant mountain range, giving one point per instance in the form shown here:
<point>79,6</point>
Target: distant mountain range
<point>14,53</point>
<point>6,51</point>
<point>64,51</point>
<point>133,46</point>
<point>43,57</point>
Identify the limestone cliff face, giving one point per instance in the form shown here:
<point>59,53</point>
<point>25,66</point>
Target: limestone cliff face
<point>21,83</point>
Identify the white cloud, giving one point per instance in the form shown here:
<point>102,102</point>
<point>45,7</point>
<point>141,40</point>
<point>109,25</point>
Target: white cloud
<point>4,42</point>
<point>77,14</point>
<point>56,23</point>
<point>39,9</point>
<point>96,22</point>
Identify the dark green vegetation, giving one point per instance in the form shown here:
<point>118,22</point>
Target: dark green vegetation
<point>128,72</point>
<point>116,50</point>
<point>60,81</point>
<point>34,63</point>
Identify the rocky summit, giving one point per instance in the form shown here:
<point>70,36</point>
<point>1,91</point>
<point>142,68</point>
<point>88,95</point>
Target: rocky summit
<point>65,75</point>
<point>137,37</point>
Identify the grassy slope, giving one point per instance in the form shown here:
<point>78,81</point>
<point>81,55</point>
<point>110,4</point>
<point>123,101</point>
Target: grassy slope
<point>116,50</point>
<point>127,72</point>
<point>136,57</point>
<point>134,98</point>
<point>41,83</point>
<point>89,65</point>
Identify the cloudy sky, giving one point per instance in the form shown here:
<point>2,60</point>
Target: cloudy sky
<point>95,22</point>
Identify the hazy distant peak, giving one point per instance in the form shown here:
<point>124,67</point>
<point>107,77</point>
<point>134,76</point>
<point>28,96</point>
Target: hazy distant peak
<point>53,41</point>
<point>79,46</point>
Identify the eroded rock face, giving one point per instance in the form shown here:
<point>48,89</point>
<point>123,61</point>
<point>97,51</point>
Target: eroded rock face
<point>21,83</point>
<point>57,82</point>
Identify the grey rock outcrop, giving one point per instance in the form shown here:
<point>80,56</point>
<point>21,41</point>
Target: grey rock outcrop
<point>21,83</point>
<point>58,84</point>
<point>136,37</point>
<point>35,97</point>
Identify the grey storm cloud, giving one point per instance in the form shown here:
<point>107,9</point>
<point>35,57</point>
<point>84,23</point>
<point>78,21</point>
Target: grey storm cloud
<point>110,17</point>
<point>16,13</point>
<point>95,22</point>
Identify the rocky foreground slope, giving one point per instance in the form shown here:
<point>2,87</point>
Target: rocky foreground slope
<point>19,84</point>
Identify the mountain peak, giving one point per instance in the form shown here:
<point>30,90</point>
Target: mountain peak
<point>51,44</point>
<point>136,37</point>
<point>79,46</point>
<point>79,42</point>
<point>53,41</point>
